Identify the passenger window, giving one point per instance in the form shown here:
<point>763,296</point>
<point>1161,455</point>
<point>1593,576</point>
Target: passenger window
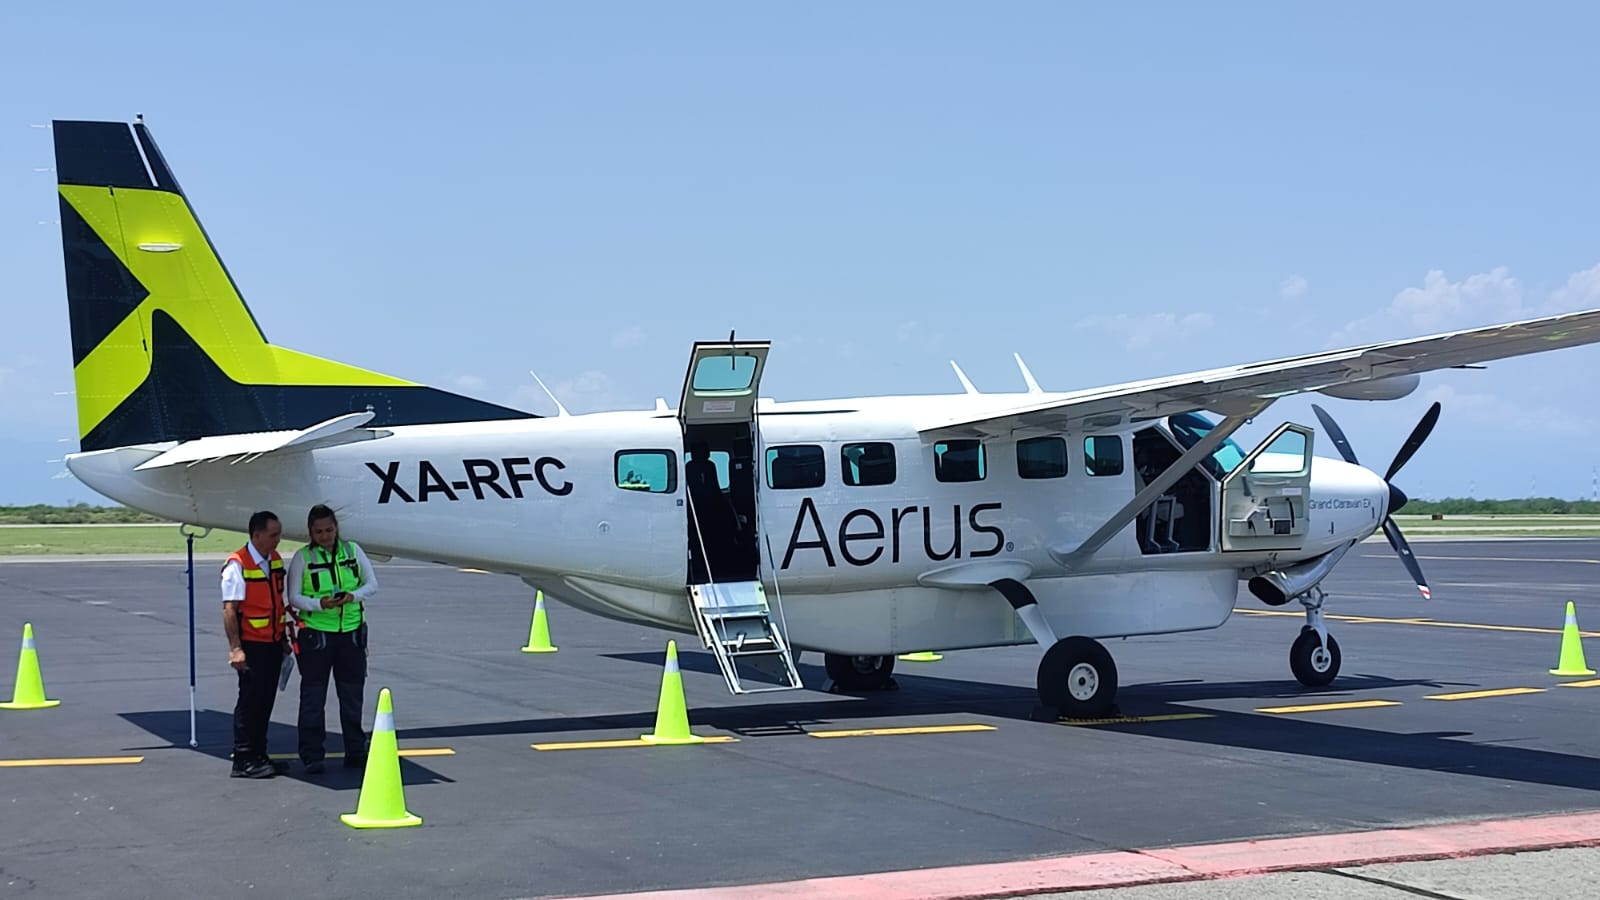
<point>647,471</point>
<point>795,466</point>
<point>866,465</point>
<point>1044,457</point>
<point>958,461</point>
<point>1102,454</point>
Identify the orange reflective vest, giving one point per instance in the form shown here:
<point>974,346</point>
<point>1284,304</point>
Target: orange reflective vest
<point>263,615</point>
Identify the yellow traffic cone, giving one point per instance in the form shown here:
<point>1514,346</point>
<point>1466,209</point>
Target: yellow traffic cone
<point>539,633</point>
<point>382,803</point>
<point>1572,662</point>
<point>672,717</point>
<point>29,690</point>
<point>921,656</point>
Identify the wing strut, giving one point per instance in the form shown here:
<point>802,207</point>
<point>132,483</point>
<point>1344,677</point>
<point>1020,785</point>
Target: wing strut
<point>1079,555</point>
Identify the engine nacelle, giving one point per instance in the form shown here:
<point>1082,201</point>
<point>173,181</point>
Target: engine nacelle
<point>1391,388</point>
<point>1279,587</point>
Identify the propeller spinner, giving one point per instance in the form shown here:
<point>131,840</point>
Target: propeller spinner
<point>1397,497</point>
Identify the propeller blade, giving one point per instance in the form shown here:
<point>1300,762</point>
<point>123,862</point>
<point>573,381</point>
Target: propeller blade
<point>1333,430</point>
<point>1418,435</point>
<point>1403,550</point>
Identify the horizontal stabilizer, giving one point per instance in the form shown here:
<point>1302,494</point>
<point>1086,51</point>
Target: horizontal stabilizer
<point>242,446</point>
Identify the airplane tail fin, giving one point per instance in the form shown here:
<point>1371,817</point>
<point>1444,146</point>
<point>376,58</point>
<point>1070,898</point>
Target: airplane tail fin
<point>163,346</point>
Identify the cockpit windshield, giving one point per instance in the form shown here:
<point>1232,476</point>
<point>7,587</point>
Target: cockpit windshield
<point>1189,428</point>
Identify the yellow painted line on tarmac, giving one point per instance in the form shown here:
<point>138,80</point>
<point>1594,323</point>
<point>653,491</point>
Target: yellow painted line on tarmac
<point>633,742</point>
<point>916,729</point>
<point>1378,620</point>
<point>1479,695</point>
<point>1327,707</point>
<point>71,761</point>
<point>413,751</point>
<point>1591,683</point>
<point>1134,720</point>
<point>476,571</point>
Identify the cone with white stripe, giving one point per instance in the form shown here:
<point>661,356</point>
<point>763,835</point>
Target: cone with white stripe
<point>672,716</point>
<point>29,690</point>
<point>539,633</point>
<point>1572,662</point>
<point>383,802</point>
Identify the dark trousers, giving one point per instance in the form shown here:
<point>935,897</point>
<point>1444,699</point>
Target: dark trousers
<point>344,654</point>
<point>258,688</point>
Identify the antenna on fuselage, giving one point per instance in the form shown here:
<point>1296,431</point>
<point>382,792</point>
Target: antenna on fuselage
<point>1033,386</point>
<point>965,381</point>
<point>560,410</point>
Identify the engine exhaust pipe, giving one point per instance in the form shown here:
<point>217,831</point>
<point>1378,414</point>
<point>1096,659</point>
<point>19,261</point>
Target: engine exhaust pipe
<point>1279,587</point>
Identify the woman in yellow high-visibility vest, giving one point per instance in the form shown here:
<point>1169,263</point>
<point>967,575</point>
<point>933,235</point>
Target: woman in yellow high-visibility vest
<point>330,580</point>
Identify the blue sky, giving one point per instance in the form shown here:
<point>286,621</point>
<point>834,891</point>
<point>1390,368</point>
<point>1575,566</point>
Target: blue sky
<point>457,193</point>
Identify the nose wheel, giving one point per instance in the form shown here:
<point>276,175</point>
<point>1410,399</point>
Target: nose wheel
<point>1313,664</point>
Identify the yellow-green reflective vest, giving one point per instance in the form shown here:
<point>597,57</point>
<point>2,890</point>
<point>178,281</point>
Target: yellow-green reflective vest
<point>327,574</point>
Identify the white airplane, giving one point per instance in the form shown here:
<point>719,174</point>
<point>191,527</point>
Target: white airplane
<point>861,527</point>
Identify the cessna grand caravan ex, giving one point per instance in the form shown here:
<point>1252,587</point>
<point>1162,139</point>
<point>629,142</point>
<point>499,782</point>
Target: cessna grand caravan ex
<point>861,528</point>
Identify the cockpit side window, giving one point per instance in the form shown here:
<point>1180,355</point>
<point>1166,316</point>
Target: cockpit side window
<point>1190,428</point>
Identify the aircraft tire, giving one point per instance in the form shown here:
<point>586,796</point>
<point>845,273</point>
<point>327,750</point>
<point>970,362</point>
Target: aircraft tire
<point>1078,677</point>
<point>859,673</point>
<point>1310,665</point>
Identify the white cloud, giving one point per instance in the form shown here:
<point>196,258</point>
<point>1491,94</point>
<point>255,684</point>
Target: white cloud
<point>468,382</point>
<point>913,333</point>
<point>1582,291</point>
<point>1294,287</point>
<point>589,391</point>
<point>1486,298</point>
<point>1504,417</point>
<point>632,336</point>
<point>1144,332</point>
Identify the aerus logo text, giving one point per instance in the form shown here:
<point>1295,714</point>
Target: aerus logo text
<point>484,477</point>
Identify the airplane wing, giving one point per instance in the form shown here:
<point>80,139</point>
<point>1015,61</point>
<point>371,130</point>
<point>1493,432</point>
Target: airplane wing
<point>1236,389</point>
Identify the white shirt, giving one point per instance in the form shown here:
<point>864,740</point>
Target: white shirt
<point>297,575</point>
<point>233,579</point>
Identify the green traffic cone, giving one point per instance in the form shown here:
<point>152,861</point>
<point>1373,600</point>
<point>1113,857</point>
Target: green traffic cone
<point>539,633</point>
<point>382,803</point>
<point>672,716</point>
<point>29,690</point>
<point>1572,662</point>
<point>921,656</point>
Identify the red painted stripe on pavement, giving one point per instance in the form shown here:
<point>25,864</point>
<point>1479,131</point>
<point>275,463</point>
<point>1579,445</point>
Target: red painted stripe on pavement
<point>1212,861</point>
<point>1392,845</point>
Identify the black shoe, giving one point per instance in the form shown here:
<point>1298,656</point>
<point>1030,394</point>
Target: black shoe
<point>315,767</point>
<point>261,768</point>
<point>355,762</point>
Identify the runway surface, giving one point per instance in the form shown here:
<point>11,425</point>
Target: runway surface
<point>1445,712</point>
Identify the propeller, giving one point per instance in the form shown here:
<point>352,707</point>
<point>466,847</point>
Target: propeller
<point>1397,497</point>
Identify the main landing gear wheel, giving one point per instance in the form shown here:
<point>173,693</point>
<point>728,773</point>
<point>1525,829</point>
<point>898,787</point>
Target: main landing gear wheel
<point>859,673</point>
<point>1078,677</point>
<point>1314,666</point>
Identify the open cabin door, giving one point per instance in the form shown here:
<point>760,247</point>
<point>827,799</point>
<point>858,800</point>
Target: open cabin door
<point>718,416</point>
<point>1266,498</point>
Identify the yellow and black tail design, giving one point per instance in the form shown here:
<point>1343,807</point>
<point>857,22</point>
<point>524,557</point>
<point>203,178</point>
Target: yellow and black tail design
<point>163,346</point>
